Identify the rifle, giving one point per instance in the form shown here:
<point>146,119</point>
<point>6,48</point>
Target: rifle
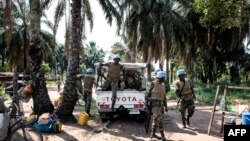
<point>99,73</point>
<point>148,114</point>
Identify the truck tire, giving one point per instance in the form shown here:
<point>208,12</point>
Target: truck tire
<point>103,117</point>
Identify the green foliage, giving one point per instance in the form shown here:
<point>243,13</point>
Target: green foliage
<point>61,61</point>
<point>83,68</point>
<point>93,109</point>
<point>221,13</point>
<point>205,94</point>
<point>46,68</point>
<point>92,54</point>
<point>4,69</point>
<point>118,48</point>
<point>50,83</point>
<point>3,95</point>
<point>171,95</point>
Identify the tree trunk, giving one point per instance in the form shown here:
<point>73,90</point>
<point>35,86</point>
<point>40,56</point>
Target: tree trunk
<point>3,59</point>
<point>70,96</point>
<point>149,69</point>
<point>41,100</point>
<point>234,73</point>
<point>25,49</point>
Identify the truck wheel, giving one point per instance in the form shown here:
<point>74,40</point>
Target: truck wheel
<point>103,117</point>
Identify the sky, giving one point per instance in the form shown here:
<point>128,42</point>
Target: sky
<point>103,34</point>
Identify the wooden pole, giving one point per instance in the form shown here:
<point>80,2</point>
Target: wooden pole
<point>212,116</point>
<point>225,96</point>
<point>222,122</point>
<point>239,88</point>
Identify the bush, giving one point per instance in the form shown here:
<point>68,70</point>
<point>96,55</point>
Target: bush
<point>3,95</point>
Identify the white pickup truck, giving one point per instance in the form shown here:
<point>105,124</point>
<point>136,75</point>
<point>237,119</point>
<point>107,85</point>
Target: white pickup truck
<point>130,99</point>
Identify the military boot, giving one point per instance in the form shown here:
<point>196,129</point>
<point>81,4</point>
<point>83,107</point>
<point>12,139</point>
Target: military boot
<point>88,112</point>
<point>188,122</point>
<point>184,124</point>
<point>112,106</point>
<point>163,136</point>
<point>153,135</point>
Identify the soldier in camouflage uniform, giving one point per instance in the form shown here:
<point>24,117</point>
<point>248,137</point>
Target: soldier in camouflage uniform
<point>88,81</point>
<point>113,77</point>
<point>157,96</point>
<point>184,90</point>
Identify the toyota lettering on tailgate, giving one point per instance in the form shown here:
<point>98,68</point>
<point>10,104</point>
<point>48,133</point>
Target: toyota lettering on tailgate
<point>107,99</point>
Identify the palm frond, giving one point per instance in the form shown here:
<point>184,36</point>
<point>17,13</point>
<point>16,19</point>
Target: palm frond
<point>67,40</point>
<point>89,14</point>
<point>146,32</point>
<point>60,10</point>
<point>110,12</point>
<point>45,4</point>
<point>48,23</point>
<point>105,8</point>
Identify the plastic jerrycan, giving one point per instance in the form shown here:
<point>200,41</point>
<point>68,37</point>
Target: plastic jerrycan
<point>83,119</point>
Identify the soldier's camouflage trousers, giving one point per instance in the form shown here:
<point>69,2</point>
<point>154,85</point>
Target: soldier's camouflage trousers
<point>113,83</point>
<point>187,103</point>
<point>87,99</point>
<point>157,115</point>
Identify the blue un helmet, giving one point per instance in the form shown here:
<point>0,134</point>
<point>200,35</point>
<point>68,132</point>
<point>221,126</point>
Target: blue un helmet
<point>89,71</point>
<point>157,70</point>
<point>181,72</point>
<point>117,56</point>
<point>160,74</point>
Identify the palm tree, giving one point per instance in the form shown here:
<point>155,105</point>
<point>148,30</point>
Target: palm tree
<point>92,54</point>
<point>70,96</point>
<point>41,98</point>
<point>152,26</point>
<point>18,45</point>
<point>80,11</point>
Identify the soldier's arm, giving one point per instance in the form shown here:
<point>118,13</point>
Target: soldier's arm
<point>123,73</point>
<point>104,64</point>
<point>177,89</point>
<point>148,93</point>
<point>192,88</point>
<point>167,86</point>
<point>165,104</point>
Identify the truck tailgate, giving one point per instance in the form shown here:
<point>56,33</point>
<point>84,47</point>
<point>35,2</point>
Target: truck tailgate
<point>128,99</point>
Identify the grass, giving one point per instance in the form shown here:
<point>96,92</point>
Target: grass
<point>50,83</point>
<point>93,109</point>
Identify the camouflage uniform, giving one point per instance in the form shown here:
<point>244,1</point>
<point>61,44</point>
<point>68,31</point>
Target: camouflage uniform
<point>186,99</point>
<point>157,95</point>
<point>112,80</point>
<point>88,84</point>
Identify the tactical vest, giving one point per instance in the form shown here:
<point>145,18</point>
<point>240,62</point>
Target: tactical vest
<point>187,89</point>
<point>114,70</point>
<point>88,82</point>
<point>158,92</point>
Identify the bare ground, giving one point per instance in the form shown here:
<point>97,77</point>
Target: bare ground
<point>130,129</point>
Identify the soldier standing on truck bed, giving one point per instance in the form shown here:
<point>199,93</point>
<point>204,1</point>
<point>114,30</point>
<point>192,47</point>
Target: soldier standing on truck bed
<point>156,96</point>
<point>88,82</point>
<point>113,77</point>
<point>185,93</point>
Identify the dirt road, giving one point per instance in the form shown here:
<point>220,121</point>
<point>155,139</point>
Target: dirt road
<point>129,129</point>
